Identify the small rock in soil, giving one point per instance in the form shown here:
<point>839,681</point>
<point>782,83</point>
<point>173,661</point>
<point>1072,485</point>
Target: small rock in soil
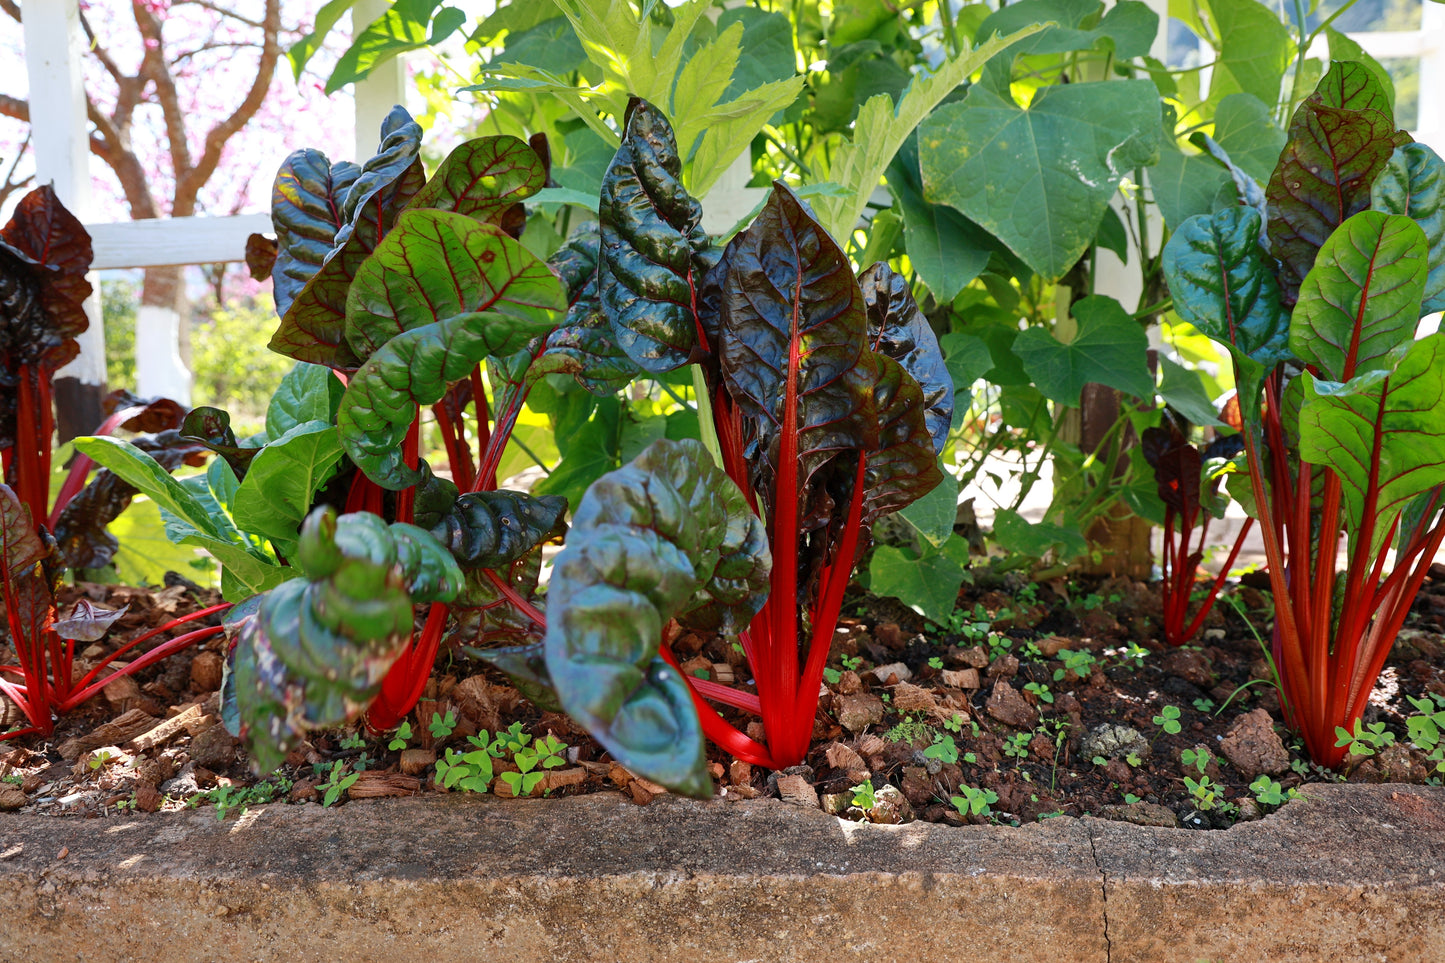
<point>848,683</point>
<point>835,803</point>
<point>858,711</point>
<point>1253,747</point>
<point>206,671</point>
<point>184,783</point>
<point>1249,810</point>
<point>1005,666</point>
<point>123,693</point>
<point>890,635</point>
<point>213,748</point>
<point>798,791</point>
<point>740,773</point>
<point>1191,665</point>
<point>974,656</point>
<point>917,785</point>
<point>1008,707</point>
<point>1110,740</point>
<point>12,799</point>
<point>890,807</point>
<point>1141,814</point>
<point>148,798</point>
<point>304,790</point>
<point>1052,645</point>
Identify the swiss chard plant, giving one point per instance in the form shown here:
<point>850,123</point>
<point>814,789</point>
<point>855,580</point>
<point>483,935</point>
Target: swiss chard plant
<point>1317,298</point>
<point>1188,484</point>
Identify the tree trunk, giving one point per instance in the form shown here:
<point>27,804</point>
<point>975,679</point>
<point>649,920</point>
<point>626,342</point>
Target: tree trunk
<point>159,370</point>
<point>1120,537</point>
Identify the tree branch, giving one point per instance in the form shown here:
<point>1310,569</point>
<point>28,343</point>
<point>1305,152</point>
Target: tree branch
<point>12,8</point>
<point>188,186</point>
<point>214,8</point>
<point>154,68</point>
<point>100,52</point>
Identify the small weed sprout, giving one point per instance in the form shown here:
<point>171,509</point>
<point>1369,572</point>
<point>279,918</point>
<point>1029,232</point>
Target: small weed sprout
<point>1041,691</point>
<point>441,728</point>
<point>974,802</point>
<point>944,749</point>
<point>863,796</point>
<point>402,737</point>
<point>1168,720</point>
<point>1365,740</point>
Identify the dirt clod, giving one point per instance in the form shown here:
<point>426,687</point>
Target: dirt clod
<point>859,711</point>
<point>1253,747</point>
<point>1007,706</point>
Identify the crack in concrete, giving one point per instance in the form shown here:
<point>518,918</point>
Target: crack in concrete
<point>1104,893</point>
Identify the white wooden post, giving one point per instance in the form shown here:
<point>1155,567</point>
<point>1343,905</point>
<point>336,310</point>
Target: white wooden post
<point>54,46</point>
<point>382,90</point>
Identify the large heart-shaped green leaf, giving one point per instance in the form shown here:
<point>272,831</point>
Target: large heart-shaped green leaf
<point>437,265</point>
<point>927,581</point>
<point>653,246</point>
<point>306,214</point>
<point>1361,300</point>
<point>414,368</point>
<point>1413,183</point>
<point>1039,179</point>
<point>1339,140</point>
<point>946,248</point>
<point>1383,429</point>
<point>1217,276</point>
<point>1254,49</point>
<point>1244,126</point>
<point>1109,347</point>
<point>666,535</point>
<point>1130,26</point>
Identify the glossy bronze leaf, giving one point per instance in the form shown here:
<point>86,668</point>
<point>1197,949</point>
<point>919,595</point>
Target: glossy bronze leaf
<point>903,467</point>
<point>313,329</point>
<point>898,329</point>
<point>792,340</point>
<point>306,214</point>
<point>495,528</point>
<point>49,238</point>
<point>1339,140</point>
<point>654,250</point>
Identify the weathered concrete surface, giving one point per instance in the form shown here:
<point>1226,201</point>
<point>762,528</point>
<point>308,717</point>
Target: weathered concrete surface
<point>1354,873</point>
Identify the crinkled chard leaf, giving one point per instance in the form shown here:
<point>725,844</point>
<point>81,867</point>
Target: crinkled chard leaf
<point>1361,300</point>
<point>483,178</point>
<point>1402,411</point>
<point>436,265</point>
<point>314,327</point>
<point>308,392</point>
<point>211,428</point>
<point>654,250</point>
<point>904,465</point>
<point>1220,284</point>
<point>306,203</point>
<point>493,529</point>
<point>664,536</point>
<point>898,329</point>
<point>52,242</point>
<point>1177,467</point>
<point>1413,183</point>
<point>584,345</point>
<point>318,647</point>
<point>1340,138</point>
<point>792,340</point>
<point>575,263</point>
<point>414,368</point>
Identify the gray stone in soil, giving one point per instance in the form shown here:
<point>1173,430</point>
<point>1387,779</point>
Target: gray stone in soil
<point>1111,740</point>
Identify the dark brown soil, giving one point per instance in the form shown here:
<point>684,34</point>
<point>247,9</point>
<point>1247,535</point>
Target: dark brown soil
<point>993,708</point>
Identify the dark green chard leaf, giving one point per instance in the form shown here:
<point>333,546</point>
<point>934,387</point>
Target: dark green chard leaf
<point>1220,284</point>
<point>1339,140</point>
<point>1403,412</point>
<point>654,250</point>
<point>792,333</point>
<point>414,368</point>
<point>306,204</point>
<point>313,328</point>
<point>318,648</point>
<point>484,177</point>
<point>308,392</point>
<point>663,537</point>
<point>1361,300</point>
<point>494,529</point>
<point>1413,183</point>
<point>583,345</point>
<point>898,329</point>
<point>437,265</point>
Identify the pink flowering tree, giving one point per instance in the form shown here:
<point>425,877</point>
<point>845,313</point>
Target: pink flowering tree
<point>188,110</point>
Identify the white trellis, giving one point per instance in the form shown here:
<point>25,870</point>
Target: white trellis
<point>55,45</point>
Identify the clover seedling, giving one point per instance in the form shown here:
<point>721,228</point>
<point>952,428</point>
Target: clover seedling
<point>1041,691</point>
<point>441,728</point>
<point>545,753</point>
<point>1365,740</point>
<point>863,796</point>
<point>974,802</point>
<point>1168,720</point>
<point>1268,792</point>
<point>403,735</point>
<point>944,749</point>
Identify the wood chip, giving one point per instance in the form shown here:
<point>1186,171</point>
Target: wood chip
<point>843,757</point>
<point>798,791</point>
<point>120,730</point>
<point>890,674</point>
<point>374,785</point>
<point>912,698</point>
<point>558,778</point>
<point>192,717</point>
<point>961,678</point>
